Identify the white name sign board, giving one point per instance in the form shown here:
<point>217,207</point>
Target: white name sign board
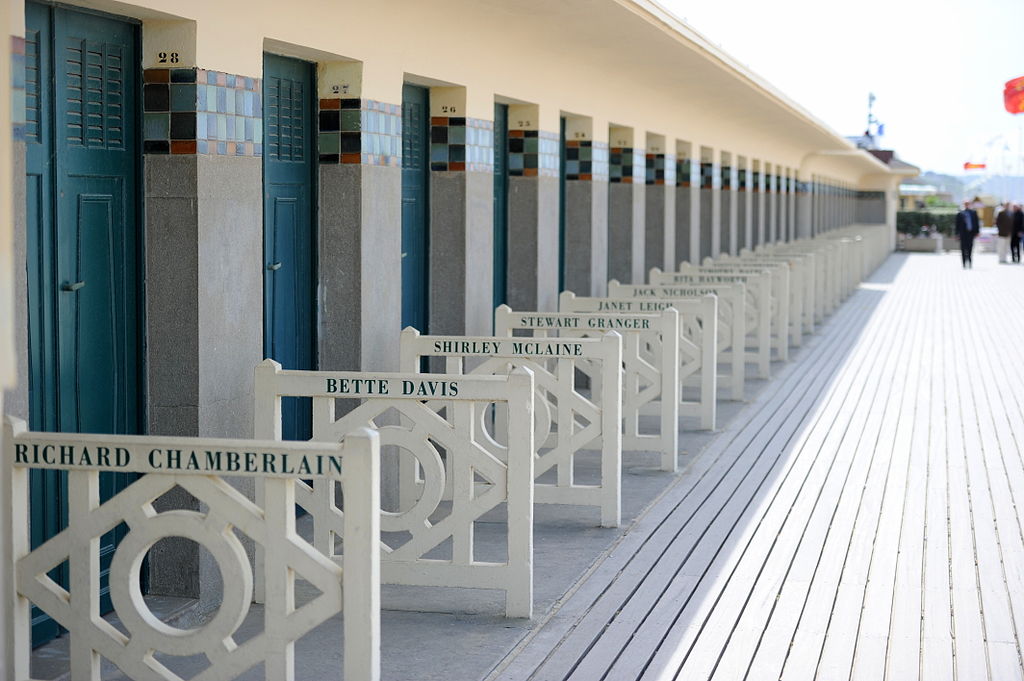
<point>195,465</point>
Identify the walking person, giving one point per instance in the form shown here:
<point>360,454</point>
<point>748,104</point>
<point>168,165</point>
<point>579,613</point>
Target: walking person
<point>967,227</point>
<point>1004,223</point>
<point>1018,232</point>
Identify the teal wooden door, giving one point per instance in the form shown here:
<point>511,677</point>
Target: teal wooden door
<point>289,242</point>
<point>500,204</point>
<point>415,206</point>
<point>82,167</point>
<point>562,255</point>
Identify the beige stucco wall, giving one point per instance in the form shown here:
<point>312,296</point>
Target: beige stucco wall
<point>613,61</point>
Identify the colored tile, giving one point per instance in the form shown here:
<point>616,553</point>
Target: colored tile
<point>350,143</point>
<point>156,97</point>
<point>156,147</point>
<point>456,135</point>
<point>350,120</point>
<point>183,146</point>
<point>438,153</point>
<point>183,97</point>
<point>330,104</point>
<point>183,75</point>
<point>329,143</point>
<point>183,126</point>
<point>156,76</point>
<point>156,126</point>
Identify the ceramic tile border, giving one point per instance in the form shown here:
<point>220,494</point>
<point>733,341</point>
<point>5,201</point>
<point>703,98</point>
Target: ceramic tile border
<point>356,131</point>
<point>725,177</point>
<point>683,166</point>
<point>627,165</point>
<point>533,153</point>
<point>586,161</point>
<point>707,171</point>
<point>661,169</point>
<point>197,111</point>
<point>19,124</point>
<point>461,144</point>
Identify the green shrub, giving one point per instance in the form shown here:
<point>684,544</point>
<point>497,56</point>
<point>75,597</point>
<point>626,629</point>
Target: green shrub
<point>911,221</point>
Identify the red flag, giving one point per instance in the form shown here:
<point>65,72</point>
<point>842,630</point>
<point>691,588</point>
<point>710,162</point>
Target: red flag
<point>974,166</point>
<point>1013,95</point>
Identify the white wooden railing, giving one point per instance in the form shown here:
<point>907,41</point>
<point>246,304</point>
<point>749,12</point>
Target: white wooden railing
<point>650,364</point>
<point>803,279</point>
<point>435,418</point>
<point>785,315</point>
<point>732,321</point>
<point>756,348</point>
<point>698,343</point>
<point>566,421</point>
<point>197,466</point>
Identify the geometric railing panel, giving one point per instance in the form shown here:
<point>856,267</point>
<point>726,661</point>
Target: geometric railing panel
<point>566,421</point>
<point>650,366</point>
<point>829,274</point>
<point>435,420</point>
<point>763,301</point>
<point>803,275</point>
<point>761,304</point>
<point>147,649</point>
<point>814,276</point>
<point>732,324</point>
<point>787,300</point>
<point>698,345</point>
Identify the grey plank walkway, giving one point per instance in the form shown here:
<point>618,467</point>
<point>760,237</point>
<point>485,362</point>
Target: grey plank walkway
<point>859,520</point>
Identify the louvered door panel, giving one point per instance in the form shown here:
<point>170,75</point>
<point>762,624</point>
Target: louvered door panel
<point>289,241</point>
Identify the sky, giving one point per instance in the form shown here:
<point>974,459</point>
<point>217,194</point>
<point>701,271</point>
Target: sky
<point>936,67</point>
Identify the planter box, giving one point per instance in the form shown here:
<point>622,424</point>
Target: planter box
<point>920,245</point>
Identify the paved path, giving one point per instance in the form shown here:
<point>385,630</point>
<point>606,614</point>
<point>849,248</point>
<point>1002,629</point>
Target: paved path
<point>858,521</point>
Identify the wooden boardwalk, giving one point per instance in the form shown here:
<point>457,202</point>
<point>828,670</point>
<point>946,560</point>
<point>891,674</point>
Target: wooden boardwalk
<point>857,521</point>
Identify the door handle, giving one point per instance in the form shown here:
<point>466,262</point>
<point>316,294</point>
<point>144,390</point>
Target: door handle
<point>274,267</point>
<point>72,287</point>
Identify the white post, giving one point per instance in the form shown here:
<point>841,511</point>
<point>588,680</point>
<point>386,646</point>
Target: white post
<point>519,596</point>
<point>361,561</point>
<point>266,426</point>
<point>14,545</point>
